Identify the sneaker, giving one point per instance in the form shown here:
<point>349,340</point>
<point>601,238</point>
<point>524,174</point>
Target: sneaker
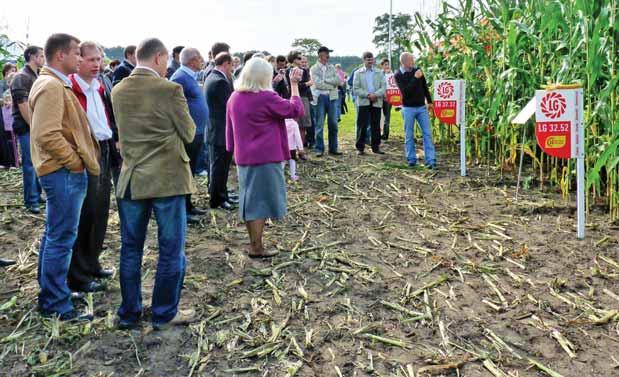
<point>431,166</point>
<point>183,317</point>
<point>34,209</point>
<point>294,177</point>
<point>203,173</point>
<point>412,164</point>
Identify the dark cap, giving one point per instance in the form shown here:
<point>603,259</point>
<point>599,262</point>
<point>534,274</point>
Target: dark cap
<point>324,49</point>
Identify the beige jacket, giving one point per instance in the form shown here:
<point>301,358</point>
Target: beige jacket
<point>59,132</point>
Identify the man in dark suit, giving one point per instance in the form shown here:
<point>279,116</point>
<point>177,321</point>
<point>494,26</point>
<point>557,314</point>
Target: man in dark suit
<point>125,68</point>
<point>218,88</point>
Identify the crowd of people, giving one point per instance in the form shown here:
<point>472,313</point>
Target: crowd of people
<point>147,125</point>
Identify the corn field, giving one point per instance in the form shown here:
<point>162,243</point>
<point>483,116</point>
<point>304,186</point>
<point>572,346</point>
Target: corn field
<point>505,50</point>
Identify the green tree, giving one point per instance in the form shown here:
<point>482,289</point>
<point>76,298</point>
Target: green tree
<point>307,46</point>
<point>116,52</point>
<point>402,30</point>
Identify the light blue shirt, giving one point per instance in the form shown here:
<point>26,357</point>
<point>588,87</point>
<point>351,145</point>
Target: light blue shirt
<point>189,71</point>
<point>404,70</point>
<point>369,79</point>
<point>61,76</point>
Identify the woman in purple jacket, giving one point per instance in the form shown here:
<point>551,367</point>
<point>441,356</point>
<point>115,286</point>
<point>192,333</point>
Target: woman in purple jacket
<point>256,134</point>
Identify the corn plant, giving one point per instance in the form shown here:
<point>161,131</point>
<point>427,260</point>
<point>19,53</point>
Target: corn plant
<point>505,50</point>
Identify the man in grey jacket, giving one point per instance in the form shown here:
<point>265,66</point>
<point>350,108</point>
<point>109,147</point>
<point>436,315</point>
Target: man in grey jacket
<point>369,85</point>
<point>326,82</point>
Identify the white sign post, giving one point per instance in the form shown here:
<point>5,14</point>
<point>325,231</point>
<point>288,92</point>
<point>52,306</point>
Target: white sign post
<point>449,108</point>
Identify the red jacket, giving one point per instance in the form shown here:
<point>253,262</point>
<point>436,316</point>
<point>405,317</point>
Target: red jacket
<point>77,89</point>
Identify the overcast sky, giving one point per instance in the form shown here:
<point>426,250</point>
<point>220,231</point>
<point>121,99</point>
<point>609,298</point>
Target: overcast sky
<point>344,26</point>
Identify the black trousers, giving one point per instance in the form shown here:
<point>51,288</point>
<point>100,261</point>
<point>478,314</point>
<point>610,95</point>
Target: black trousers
<point>220,160</point>
<point>387,115</point>
<point>193,151</point>
<point>369,114</point>
<point>93,223</point>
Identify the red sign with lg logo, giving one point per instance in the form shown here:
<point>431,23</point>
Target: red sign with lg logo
<point>553,131</point>
<point>445,103</point>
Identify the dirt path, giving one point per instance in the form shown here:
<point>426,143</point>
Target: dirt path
<point>383,271</point>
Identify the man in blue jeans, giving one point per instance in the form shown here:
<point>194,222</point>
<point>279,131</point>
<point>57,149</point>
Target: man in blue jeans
<point>154,124</point>
<point>326,82</point>
<point>20,89</point>
<point>415,93</point>
<point>63,152</point>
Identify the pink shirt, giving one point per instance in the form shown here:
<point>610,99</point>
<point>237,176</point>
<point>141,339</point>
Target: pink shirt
<point>256,129</point>
<point>341,74</point>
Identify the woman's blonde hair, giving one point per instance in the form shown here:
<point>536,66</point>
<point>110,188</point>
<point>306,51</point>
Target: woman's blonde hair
<point>256,76</point>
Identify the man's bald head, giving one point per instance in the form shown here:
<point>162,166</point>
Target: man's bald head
<point>407,60</point>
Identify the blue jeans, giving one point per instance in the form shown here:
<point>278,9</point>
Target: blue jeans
<point>65,195</point>
<point>203,162</point>
<point>32,188</point>
<point>171,217</point>
<point>419,114</point>
<point>326,107</point>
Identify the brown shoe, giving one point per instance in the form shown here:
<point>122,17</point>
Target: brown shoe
<point>264,254</point>
<point>183,317</point>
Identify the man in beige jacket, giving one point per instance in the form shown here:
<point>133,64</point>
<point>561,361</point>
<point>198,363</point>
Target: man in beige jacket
<point>63,152</point>
<point>153,125</point>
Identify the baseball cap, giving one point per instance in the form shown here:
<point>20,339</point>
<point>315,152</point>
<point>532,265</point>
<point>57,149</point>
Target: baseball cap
<point>324,49</point>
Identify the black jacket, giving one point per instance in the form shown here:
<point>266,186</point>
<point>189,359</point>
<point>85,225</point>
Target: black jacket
<point>123,70</point>
<point>217,91</point>
<point>20,90</point>
<point>414,91</point>
<point>115,157</point>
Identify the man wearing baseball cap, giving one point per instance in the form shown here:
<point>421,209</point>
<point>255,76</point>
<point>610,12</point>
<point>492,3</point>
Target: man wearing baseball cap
<point>326,82</point>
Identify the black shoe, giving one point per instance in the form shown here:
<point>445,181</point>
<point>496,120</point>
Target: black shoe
<point>225,205</point>
<point>34,209</point>
<point>336,153</point>
<point>91,287</point>
<point>197,211</point>
<point>384,137</point>
<point>431,166</point>
<point>70,316</point>
<point>361,153</point>
<point>42,201</point>
<point>104,273</point>
<point>193,219</point>
<point>6,262</point>
<point>121,324</point>
<point>412,164</point>
<point>378,151</point>
<point>320,154</point>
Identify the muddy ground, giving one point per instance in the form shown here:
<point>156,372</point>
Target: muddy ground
<point>383,271</point>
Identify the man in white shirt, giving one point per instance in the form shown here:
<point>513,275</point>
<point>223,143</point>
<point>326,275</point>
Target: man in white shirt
<point>326,82</point>
<point>85,267</point>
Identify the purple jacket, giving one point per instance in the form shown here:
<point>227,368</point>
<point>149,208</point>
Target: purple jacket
<point>255,126</point>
